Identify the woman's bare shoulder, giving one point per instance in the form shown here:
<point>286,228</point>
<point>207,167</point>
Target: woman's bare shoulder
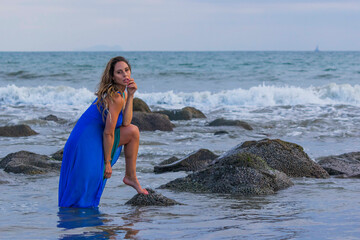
<point>117,100</point>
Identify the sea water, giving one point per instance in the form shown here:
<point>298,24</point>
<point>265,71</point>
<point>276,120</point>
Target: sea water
<point>309,98</point>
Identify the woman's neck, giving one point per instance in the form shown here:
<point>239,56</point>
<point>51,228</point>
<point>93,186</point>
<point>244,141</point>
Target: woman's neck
<point>121,88</point>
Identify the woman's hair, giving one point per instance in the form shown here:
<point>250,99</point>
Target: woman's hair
<point>107,88</point>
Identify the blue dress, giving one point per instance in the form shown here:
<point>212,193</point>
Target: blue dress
<point>82,170</point>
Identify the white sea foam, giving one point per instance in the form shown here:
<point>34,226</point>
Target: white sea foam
<point>261,96</point>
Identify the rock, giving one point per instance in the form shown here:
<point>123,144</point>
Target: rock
<point>169,161</point>
<point>54,119</point>
<point>221,132</point>
<point>21,130</point>
<point>185,113</point>
<point>284,156</point>
<point>151,121</point>
<point>237,174</point>
<point>140,106</point>
<point>347,164</point>
<point>225,122</point>
<point>193,162</point>
<point>58,155</point>
<point>29,163</point>
<point>152,199</point>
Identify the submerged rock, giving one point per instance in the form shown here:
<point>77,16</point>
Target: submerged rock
<point>54,119</point>
<point>226,122</point>
<point>140,106</point>
<point>152,199</point>
<point>58,155</point>
<point>151,121</point>
<point>286,157</point>
<point>344,165</point>
<point>237,174</point>
<point>192,162</point>
<point>29,163</point>
<point>21,130</point>
<point>185,113</point>
<point>221,132</point>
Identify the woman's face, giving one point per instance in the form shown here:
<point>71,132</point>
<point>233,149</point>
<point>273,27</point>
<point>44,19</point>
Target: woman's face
<point>122,73</point>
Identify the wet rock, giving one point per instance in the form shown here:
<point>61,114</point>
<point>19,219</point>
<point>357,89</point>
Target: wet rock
<point>237,174</point>
<point>54,118</point>
<point>284,156</point>
<point>152,199</point>
<point>151,121</point>
<point>193,162</point>
<point>169,161</point>
<point>29,163</point>
<point>140,106</point>
<point>58,155</point>
<point>344,165</point>
<point>21,130</point>
<point>221,132</point>
<point>226,122</point>
<point>185,113</point>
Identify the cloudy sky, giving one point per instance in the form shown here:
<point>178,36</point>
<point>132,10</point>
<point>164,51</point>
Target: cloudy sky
<point>179,25</point>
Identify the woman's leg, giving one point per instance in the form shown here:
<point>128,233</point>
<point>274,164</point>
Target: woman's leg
<point>130,138</point>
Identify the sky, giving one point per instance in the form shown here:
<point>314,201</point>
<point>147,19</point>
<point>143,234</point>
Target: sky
<point>179,25</point>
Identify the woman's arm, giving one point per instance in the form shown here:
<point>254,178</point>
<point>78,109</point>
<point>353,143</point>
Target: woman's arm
<point>128,112</point>
<point>115,107</point>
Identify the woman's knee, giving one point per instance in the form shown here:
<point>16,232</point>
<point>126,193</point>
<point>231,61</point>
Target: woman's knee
<point>134,131</point>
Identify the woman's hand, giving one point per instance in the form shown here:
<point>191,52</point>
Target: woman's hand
<point>131,86</point>
<point>108,170</point>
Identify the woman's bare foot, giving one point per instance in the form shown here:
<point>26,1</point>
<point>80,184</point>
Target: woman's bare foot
<point>135,184</point>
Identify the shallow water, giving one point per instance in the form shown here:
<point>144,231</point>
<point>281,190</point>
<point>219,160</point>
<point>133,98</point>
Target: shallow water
<point>312,99</point>
<point>311,209</point>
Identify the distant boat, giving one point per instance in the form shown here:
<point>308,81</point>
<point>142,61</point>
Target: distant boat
<point>317,49</point>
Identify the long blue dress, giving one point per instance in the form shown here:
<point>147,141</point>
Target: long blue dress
<point>82,171</point>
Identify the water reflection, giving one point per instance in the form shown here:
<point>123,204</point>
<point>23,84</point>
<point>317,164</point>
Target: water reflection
<point>95,223</point>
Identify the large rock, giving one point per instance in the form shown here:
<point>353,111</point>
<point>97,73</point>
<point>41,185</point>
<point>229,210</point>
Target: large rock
<point>151,121</point>
<point>185,113</point>
<point>193,162</point>
<point>344,165</point>
<point>237,174</point>
<point>284,156</point>
<point>29,163</point>
<point>140,106</point>
<point>226,122</point>
<point>21,130</point>
<point>152,199</point>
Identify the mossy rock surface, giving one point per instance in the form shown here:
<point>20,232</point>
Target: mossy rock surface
<point>21,130</point>
<point>286,157</point>
<point>238,174</point>
<point>152,199</point>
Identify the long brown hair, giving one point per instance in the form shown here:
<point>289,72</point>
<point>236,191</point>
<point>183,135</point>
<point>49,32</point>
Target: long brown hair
<point>107,88</point>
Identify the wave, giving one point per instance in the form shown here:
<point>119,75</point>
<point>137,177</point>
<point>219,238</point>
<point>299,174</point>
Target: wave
<point>259,96</point>
<point>46,96</point>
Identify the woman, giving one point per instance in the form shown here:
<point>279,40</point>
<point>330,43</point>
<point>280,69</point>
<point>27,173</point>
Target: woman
<point>95,143</point>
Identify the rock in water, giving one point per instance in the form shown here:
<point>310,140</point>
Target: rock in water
<point>186,113</point>
<point>347,165</point>
<point>58,155</point>
<point>151,121</point>
<point>152,199</point>
<point>193,162</point>
<point>226,122</point>
<point>29,163</point>
<point>237,174</point>
<point>140,106</point>
<point>286,157</point>
<point>54,119</point>
<point>17,131</point>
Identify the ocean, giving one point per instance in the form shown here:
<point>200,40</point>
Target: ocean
<point>308,98</point>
